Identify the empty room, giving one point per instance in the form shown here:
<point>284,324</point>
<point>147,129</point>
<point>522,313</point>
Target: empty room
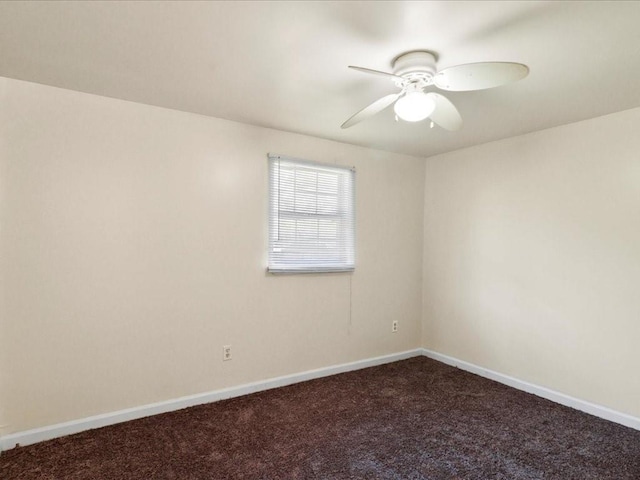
<point>320,240</point>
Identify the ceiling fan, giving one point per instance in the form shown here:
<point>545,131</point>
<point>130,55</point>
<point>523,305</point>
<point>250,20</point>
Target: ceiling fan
<point>413,72</point>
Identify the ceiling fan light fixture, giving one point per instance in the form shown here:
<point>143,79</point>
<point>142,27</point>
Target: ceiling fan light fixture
<point>414,107</point>
<point>415,71</point>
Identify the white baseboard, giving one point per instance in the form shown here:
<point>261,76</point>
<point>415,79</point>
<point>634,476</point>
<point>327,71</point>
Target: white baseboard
<point>75,426</point>
<point>561,398</point>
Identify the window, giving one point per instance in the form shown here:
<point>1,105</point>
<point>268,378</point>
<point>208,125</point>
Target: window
<point>311,216</point>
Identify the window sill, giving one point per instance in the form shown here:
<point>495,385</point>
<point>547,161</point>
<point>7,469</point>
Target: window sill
<point>294,271</point>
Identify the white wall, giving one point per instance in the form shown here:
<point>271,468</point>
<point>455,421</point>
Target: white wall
<point>134,246</point>
<point>532,258</point>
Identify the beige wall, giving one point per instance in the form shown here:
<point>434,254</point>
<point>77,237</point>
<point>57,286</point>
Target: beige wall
<point>532,258</point>
<point>134,247</point>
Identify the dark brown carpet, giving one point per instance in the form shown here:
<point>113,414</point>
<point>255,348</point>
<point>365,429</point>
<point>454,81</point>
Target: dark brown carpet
<point>414,419</point>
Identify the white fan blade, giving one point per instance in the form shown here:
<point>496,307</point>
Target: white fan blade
<point>445,114</point>
<point>377,72</point>
<point>371,110</point>
<point>479,76</point>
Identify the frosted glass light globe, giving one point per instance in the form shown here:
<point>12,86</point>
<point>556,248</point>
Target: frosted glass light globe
<point>414,106</point>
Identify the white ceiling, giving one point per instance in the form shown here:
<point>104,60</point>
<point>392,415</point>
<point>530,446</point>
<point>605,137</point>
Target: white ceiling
<point>284,64</point>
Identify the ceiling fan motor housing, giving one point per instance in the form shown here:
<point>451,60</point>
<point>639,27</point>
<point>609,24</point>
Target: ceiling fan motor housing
<point>415,66</point>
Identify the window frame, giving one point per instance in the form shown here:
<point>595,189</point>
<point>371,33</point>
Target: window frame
<point>344,259</point>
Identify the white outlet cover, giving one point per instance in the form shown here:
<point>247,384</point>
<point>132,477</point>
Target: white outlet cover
<point>226,352</point>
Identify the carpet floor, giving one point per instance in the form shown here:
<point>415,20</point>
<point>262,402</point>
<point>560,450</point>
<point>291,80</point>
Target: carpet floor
<point>413,419</point>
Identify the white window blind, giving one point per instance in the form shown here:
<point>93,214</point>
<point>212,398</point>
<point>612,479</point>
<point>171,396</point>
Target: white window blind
<point>311,216</point>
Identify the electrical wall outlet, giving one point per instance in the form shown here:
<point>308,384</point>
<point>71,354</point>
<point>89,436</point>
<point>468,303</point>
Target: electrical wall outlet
<point>394,326</point>
<point>226,353</point>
